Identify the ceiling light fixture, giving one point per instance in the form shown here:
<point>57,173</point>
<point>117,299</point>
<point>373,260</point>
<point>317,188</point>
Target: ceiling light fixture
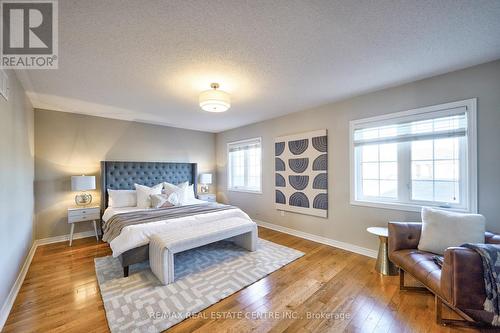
<point>215,100</point>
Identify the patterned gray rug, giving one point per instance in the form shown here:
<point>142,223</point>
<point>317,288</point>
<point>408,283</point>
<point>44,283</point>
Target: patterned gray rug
<point>203,276</point>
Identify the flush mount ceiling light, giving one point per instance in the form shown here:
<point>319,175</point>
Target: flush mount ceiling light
<point>215,100</point>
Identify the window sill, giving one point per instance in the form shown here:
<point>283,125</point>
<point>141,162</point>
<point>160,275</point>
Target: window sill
<point>403,207</point>
<point>243,191</point>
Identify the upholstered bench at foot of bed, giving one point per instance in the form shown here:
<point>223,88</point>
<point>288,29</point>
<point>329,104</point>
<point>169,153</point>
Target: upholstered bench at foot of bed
<point>163,247</point>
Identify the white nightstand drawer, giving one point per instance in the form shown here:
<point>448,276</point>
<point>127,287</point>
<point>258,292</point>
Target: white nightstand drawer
<point>83,211</point>
<point>83,217</point>
<point>207,197</point>
<point>83,214</point>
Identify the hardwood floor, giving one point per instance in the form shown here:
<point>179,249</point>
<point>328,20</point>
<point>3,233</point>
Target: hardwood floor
<point>60,294</point>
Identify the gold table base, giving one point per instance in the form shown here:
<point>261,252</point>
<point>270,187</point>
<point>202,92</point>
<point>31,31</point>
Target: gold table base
<point>384,265</point>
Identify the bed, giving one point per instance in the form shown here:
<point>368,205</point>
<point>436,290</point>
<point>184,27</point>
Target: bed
<point>131,244</point>
<point>122,175</point>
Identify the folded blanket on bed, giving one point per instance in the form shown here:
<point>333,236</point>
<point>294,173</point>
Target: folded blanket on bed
<point>113,227</point>
<point>490,257</point>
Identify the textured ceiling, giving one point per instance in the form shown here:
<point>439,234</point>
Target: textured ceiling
<point>148,60</point>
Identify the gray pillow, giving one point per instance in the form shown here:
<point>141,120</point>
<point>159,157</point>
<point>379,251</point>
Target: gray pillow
<point>164,200</point>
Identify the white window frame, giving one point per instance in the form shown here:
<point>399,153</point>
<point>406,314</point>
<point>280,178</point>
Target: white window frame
<point>228,174</point>
<point>471,156</point>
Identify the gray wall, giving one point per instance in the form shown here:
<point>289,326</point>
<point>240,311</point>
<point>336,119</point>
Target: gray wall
<point>16,184</point>
<point>348,223</point>
<point>70,144</point>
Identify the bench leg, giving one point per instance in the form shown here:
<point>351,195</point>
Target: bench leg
<point>247,241</point>
<point>161,261</point>
<point>169,275</point>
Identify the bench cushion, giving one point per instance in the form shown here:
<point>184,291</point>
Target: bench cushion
<point>195,236</point>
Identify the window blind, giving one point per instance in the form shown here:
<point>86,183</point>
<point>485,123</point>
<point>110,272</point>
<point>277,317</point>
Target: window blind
<point>411,129</point>
<point>244,145</point>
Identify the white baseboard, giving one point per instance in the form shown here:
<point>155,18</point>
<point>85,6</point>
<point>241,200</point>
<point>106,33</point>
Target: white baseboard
<point>9,302</point>
<point>64,238</point>
<point>319,239</point>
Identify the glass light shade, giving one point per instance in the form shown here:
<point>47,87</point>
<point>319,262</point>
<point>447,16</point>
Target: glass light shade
<point>215,100</point>
<point>206,178</point>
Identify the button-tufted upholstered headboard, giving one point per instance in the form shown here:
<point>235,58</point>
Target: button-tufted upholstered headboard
<point>123,175</point>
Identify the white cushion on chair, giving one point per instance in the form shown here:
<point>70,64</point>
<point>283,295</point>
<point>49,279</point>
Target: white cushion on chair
<point>443,229</point>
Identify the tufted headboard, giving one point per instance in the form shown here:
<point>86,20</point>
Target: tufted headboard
<point>123,175</point>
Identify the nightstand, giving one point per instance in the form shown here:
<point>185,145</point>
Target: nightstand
<point>83,214</point>
<point>207,197</point>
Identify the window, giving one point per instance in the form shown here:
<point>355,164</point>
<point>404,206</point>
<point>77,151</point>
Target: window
<point>379,170</point>
<point>244,165</point>
<point>421,157</point>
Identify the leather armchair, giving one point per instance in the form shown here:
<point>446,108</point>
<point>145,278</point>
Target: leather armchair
<point>459,283</point>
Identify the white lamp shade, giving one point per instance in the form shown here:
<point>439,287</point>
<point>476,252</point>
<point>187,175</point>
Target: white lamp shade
<point>206,178</point>
<point>82,183</point>
<point>215,100</point>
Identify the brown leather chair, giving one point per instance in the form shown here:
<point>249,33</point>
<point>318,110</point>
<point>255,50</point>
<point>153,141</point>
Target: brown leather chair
<point>458,284</point>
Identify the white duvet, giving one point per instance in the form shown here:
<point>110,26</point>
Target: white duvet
<point>137,235</point>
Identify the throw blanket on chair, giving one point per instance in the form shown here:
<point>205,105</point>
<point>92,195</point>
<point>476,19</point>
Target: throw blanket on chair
<point>490,256</point>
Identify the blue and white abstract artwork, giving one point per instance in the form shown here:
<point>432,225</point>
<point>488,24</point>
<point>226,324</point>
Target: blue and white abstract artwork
<point>301,173</point>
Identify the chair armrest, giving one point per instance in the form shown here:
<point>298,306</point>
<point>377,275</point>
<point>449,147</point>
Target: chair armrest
<point>491,238</point>
<point>403,235</point>
<point>462,282</point>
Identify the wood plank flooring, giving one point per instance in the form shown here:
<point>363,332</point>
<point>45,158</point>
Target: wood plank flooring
<point>327,290</point>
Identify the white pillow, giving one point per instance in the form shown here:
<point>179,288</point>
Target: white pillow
<point>122,198</point>
<point>144,194</point>
<point>184,191</point>
<point>164,200</point>
<point>443,229</point>
<point>171,188</point>
<point>189,194</point>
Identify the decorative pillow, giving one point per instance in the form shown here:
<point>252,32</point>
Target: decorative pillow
<point>122,198</point>
<point>443,229</point>
<point>164,200</point>
<point>184,191</point>
<point>144,194</point>
<point>171,188</point>
<point>189,194</point>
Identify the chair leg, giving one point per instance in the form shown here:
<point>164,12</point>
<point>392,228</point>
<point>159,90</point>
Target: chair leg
<point>402,286</point>
<point>466,322</point>
<point>125,271</point>
<point>438,305</point>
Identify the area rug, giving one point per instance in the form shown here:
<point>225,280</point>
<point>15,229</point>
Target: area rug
<point>203,276</point>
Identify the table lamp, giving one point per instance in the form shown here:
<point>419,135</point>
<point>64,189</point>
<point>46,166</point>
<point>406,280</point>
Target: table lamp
<point>83,183</point>
<point>205,180</point>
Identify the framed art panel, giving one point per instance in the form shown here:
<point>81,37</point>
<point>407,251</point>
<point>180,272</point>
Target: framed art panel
<point>301,173</point>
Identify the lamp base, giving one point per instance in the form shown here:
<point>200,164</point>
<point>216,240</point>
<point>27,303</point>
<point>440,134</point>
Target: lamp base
<point>83,199</point>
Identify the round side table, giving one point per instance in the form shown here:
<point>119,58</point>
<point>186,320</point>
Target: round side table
<point>383,265</point>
